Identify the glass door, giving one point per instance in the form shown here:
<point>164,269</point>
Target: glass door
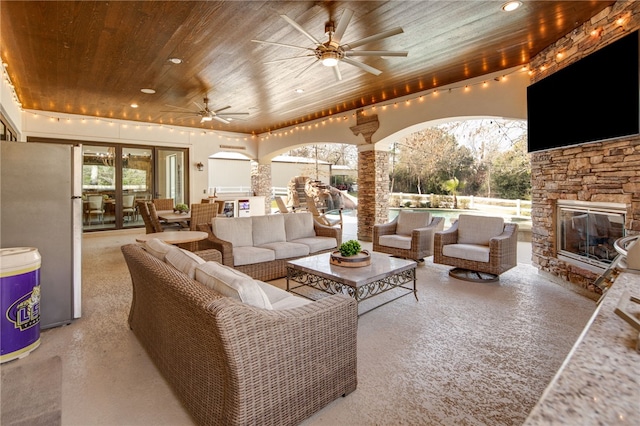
<point>171,175</point>
<point>98,187</point>
<point>116,177</point>
<point>137,184</point>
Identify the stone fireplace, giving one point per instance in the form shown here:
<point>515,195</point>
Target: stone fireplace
<point>574,188</point>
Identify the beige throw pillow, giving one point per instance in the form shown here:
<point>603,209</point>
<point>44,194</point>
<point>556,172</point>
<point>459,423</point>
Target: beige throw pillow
<point>157,248</point>
<point>410,220</point>
<point>232,283</point>
<point>183,260</point>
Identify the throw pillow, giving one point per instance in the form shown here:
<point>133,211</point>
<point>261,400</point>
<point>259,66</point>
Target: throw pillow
<point>232,283</point>
<point>410,220</point>
<point>236,230</point>
<point>478,229</point>
<point>184,261</point>
<point>157,248</point>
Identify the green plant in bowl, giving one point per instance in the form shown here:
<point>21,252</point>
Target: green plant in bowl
<point>182,208</point>
<point>350,248</point>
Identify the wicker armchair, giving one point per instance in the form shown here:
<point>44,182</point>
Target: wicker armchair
<point>481,244</point>
<point>200,214</point>
<point>163,203</point>
<point>409,235</point>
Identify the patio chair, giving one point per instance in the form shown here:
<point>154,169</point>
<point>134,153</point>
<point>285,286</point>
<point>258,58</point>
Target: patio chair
<point>281,205</point>
<point>409,235</point>
<point>163,203</point>
<point>143,209</point>
<point>479,247</point>
<point>200,214</point>
<point>322,218</point>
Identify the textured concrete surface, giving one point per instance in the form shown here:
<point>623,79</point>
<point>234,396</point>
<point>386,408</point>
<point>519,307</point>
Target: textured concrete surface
<point>465,353</point>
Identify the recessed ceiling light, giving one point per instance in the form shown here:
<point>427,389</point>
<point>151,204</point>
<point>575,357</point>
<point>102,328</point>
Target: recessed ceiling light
<point>149,91</point>
<point>134,105</point>
<point>175,60</point>
<point>510,6</point>
<point>299,90</point>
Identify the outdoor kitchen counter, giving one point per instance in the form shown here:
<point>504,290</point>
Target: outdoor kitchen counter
<point>599,381</point>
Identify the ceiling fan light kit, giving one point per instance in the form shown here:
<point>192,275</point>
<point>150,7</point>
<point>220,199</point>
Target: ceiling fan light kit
<point>206,114</point>
<point>332,52</point>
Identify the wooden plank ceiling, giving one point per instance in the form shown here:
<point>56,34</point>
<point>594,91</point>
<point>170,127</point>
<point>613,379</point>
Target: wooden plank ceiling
<point>94,57</point>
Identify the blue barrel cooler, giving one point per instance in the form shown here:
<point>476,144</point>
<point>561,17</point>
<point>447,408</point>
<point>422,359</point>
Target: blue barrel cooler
<point>20,302</point>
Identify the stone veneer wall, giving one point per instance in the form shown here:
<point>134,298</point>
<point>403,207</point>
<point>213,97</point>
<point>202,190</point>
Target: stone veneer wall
<point>261,183</point>
<point>597,172</point>
<point>373,191</point>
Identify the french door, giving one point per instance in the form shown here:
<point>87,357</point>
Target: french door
<point>116,177</point>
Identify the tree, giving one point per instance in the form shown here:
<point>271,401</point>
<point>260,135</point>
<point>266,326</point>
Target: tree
<point>512,172</point>
<point>452,186</point>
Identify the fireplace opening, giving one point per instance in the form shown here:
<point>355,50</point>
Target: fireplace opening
<point>587,231</point>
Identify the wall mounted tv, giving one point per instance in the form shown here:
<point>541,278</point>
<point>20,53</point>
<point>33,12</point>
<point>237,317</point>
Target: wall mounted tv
<point>596,98</point>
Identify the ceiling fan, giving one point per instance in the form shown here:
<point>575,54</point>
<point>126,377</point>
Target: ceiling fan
<point>206,114</point>
<point>333,51</point>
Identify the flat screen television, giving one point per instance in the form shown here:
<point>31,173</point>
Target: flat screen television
<point>596,98</point>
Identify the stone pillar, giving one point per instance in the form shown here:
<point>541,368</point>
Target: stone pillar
<point>261,183</point>
<point>373,191</point>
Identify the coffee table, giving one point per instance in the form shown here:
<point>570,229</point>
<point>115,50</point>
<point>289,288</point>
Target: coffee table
<point>383,274</point>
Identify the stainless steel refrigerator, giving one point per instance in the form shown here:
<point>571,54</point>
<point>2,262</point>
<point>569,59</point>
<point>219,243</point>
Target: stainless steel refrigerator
<point>41,207</point>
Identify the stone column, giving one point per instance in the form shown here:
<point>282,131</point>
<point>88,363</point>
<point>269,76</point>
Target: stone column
<point>373,191</point>
<point>261,183</point>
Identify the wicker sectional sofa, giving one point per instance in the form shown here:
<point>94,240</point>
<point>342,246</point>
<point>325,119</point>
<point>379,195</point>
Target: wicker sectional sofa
<point>260,246</point>
<point>228,361</point>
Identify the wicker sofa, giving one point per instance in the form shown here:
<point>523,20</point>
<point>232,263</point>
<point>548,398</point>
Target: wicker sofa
<point>260,246</point>
<point>231,363</point>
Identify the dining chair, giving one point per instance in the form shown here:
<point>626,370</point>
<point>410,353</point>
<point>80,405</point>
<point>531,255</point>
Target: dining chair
<point>163,203</point>
<point>95,207</point>
<point>128,206</point>
<point>200,213</point>
<point>143,208</point>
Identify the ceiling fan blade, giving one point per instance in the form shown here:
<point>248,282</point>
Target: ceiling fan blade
<point>232,113</point>
<point>282,44</point>
<point>375,37</point>
<point>200,107</point>
<point>317,61</point>
<point>287,59</point>
<point>297,26</point>
<point>376,53</point>
<point>365,67</point>
<point>342,25</point>
<point>221,109</point>
<point>220,119</point>
<point>336,73</point>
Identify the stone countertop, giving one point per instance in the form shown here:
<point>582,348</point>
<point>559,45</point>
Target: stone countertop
<point>599,381</point>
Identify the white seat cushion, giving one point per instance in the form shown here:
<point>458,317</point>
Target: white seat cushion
<point>285,250</point>
<point>317,244</point>
<point>280,299</point>
<point>395,241</point>
<point>183,260</point>
<point>232,283</point>
<point>250,255</point>
<point>473,252</point>
<point>478,229</point>
<point>237,230</point>
<point>410,220</point>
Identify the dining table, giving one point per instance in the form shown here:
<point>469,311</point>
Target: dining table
<point>170,216</point>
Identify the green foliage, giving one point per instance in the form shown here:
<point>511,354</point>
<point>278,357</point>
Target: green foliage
<point>181,208</point>
<point>350,248</point>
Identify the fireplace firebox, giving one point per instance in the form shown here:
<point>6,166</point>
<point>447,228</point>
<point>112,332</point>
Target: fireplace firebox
<point>586,232</point>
